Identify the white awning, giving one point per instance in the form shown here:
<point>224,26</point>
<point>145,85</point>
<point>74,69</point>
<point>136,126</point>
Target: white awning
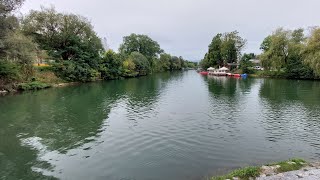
<point>224,69</point>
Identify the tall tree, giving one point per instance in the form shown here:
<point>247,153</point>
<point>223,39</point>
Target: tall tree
<point>142,44</point>
<point>64,36</point>
<point>312,51</point>
<point>214,56</point>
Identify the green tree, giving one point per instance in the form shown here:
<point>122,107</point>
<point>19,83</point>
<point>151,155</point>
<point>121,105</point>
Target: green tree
<point>214,56</point>
<point>110,65</point>
<point>312,51</point>
<point>21,50</point>
<point>224,48</point>
<point>245,64</point>
<point>142,44</point>
<point>142,65</point>
<point>165,61</point>
<point>66,37</point>
<point>276,53</point>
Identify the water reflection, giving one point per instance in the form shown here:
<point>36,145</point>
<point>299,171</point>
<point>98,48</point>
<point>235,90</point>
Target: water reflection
<point>56,121</point>
<point>163,126</point>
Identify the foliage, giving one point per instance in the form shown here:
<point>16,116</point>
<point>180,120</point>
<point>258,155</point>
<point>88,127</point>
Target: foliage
<point>110,67</point>
<point>285,50</point>
<point>224,48</point>
<point>72,71</point>
<point>245,173</point>
<point>69,39</point>
<point>129,68</point>
<point>35,85</point>
<point>64,36</point>
<point>245,64</point>
<point>290,165</point>
<point>142,65</point>
<point>22,51</point>
<point>312,51</point>
<point>142,44</point>
<point>8,71</point>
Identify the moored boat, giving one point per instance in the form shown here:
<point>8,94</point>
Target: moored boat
<point>203,72</point>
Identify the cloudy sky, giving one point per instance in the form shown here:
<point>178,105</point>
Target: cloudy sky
<point>186,27</point>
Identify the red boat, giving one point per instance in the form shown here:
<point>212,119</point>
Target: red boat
<point>204,72</point>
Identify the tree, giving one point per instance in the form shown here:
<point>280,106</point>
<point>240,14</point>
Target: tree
<point>21,50</point>
<point>214,56</point>
<point>312,51</point>
<point>276,49</point>
<point>224,48</point>
<point>142,44</point>
<point>232,46</point>
<point>245,63</point>
<point>66,37</point>
<point>7,6</point>
<point>8,22</point>
<point>110,65</point>
<point>142,65</point>
<point>165,61</point>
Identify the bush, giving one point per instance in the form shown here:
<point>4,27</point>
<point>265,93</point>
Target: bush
<point>73,71</point>
<point>44,68</point>
<point>33,86</point>
<point>8,71</point>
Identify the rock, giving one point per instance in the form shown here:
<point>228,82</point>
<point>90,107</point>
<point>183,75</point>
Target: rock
<point>277,166</point>
<point>300,175</point>
<point>290,162</point>
<point>3,91</point>
<point>235,178</point>
<point>263,175</point>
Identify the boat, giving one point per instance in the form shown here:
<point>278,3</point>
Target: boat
<point>218,72</point>
<point>223,72</point>
<point>203,72</point>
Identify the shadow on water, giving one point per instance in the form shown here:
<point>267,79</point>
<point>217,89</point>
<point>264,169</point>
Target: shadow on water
<point>176,125</point>
<point>291,114</point>
<point>60,119</point>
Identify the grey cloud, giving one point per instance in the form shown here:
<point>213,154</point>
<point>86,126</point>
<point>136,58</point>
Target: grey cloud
<point>186,27</point>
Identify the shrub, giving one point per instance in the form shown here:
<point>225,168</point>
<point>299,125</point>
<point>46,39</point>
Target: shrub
<point>33,86</point>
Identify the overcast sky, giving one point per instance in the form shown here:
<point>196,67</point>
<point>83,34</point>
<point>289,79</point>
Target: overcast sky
<point>186,27</point>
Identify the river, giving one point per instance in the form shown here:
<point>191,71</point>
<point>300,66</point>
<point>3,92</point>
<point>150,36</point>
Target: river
<point>164,126</point>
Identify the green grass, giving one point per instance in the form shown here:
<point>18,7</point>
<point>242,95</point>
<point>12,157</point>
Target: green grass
<point>35,85</point>
<point>244,173</point>
<point>286,166</point>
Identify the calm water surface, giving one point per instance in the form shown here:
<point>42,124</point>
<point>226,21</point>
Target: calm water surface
<point>165,126</point>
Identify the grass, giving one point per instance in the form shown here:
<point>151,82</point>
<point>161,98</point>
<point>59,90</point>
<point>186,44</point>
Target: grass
<point>35,85</point>
<point>252,172</point>
<point>244,173</point>
<point>290,165</point>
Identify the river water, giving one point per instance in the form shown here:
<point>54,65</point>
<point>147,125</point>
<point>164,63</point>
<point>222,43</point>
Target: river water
<point>164,126</point>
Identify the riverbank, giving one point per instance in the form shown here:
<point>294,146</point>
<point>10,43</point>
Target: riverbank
<point>291,169</point>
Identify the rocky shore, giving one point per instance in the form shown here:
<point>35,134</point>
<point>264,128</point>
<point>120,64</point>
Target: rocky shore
<point>295,169</point>
<point>309,172</point>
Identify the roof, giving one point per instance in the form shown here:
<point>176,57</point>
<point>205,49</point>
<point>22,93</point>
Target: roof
<point>211,69</point>
<point>256,61</point>
<point>224,69</point>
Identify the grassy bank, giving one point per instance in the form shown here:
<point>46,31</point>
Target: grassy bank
<point>254,171</point>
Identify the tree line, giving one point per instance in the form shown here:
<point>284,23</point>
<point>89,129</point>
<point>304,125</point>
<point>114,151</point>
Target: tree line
<point>291,54</point>
<point>75,50</point>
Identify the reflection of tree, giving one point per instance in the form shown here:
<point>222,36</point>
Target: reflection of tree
<point>293,109</point>
<point>65,118</point>
<point>222,86</point>
<point>278,91</point>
